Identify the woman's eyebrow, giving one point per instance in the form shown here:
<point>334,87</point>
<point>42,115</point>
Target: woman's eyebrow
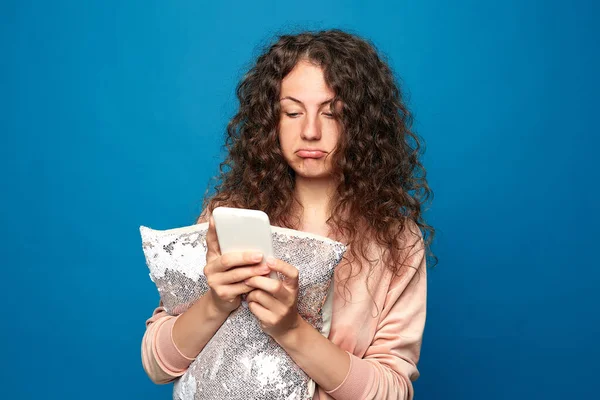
<point>299,102</point>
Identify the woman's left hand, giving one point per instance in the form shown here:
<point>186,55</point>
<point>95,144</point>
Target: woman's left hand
<point>274,301</point>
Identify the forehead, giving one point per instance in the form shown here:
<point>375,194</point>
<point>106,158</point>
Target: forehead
<point>306,82</point>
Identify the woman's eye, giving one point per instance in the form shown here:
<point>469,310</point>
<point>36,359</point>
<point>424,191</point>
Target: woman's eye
<point>328,115</point>
<point>292,115</point>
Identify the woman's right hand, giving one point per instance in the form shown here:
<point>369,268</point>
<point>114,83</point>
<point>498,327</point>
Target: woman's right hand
<point>225,274</point>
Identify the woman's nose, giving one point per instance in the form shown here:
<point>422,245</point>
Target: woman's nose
<point>311,129</point>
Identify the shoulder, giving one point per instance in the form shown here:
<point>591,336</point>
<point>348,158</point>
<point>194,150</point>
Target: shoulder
<point>413,268</point>
<point>408,256</point>
<point>412,241</point>
<point>406,239</point>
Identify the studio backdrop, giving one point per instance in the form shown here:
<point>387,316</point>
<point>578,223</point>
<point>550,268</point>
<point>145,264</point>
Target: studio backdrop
<point>112,116</point>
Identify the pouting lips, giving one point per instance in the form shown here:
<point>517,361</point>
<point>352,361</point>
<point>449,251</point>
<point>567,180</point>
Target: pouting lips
<point>310,153</point>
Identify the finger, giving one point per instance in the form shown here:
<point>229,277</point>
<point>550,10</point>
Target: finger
<point>240,274</point>
<point>238,259</point>
<point>266,300</point>
<point>289,271</point>
<point>212,242</point>
<point>232,291</point>
<point>240,288</point>
<point>265,316</point>
<point>272,286</point>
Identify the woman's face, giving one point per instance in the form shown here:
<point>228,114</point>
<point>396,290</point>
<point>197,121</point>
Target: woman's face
<point>308,133</point>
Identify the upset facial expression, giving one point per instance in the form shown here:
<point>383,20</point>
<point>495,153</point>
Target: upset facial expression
<point>308,133</point>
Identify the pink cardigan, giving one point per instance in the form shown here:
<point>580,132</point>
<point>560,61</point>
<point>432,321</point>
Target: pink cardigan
<point>382,334</point>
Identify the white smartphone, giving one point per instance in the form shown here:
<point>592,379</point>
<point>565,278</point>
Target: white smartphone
<point>240,229</point>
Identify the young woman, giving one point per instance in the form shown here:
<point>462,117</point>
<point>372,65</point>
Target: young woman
<point>321,143</point>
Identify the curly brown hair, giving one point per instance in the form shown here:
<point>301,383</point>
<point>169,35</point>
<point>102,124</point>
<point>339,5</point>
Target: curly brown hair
<point>381,184</point>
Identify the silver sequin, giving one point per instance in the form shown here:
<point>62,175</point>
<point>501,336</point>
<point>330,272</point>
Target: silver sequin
<point>240,361</point>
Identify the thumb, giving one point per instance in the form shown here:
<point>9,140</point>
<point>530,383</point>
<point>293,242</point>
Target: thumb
<point>212,242</point>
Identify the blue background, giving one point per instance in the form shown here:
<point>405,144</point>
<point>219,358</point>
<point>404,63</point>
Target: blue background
<point>112,116</point>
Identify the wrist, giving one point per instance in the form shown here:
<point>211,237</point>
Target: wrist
<point>291,338</point>
<point>214,307</point>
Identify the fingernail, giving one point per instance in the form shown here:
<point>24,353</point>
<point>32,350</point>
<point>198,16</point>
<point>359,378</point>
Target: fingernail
<point>257,257</point>
<point>270,261</point>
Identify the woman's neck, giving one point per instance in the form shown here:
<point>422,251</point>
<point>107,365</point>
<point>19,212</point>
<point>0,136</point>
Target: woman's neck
<point>315,196</point>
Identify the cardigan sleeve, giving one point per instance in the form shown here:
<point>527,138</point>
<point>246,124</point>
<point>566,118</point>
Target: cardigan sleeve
<point>161,359</point>
<point>389,365</point>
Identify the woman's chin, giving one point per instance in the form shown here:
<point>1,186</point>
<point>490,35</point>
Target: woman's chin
<point>311,169</point>
<point>313,174</point>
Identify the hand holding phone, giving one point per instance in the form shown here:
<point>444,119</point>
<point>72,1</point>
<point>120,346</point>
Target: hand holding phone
<point>226,274</point>
<point>241,230</point>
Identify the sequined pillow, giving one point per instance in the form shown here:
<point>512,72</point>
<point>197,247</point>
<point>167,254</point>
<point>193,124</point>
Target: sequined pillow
<point>241,361</point>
